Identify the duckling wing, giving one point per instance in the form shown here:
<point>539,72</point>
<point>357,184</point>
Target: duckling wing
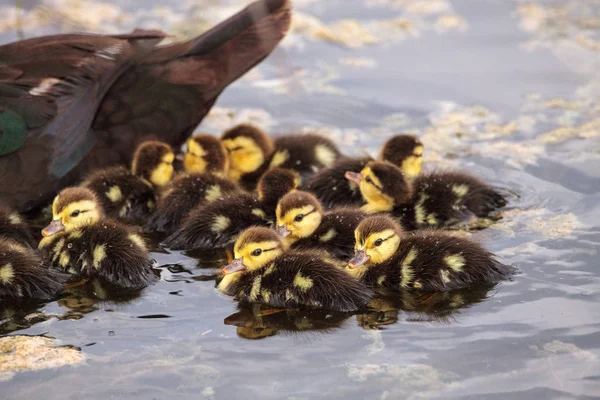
<point>50,89</point>
<point>182,196</point>
<point>331,186</point>
<point>217,224</point>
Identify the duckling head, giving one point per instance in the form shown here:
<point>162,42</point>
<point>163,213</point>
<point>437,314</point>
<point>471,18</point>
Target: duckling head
<point>276,183</point>
<point>153,161</point>
<point>205,153</point>
<point>255,249</point>
<point>377,239</point>
<point>382,186</point>
<point>299,215</point>
<point>248,148</point>
<point>405,152</point>
<point>72,209</point>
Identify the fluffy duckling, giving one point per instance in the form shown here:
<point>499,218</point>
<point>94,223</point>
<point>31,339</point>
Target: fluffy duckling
<point>426,260</point>
<point>217,224</point>
<point>263,272</point>
<point>434,200</point>
<point>252,152</point>
<point>23,276</point>
<point>14,227</point>
<point>205,161</point>
<point>334,190</point>
<point>303,225</point>
<point>81,241</point>
<point>130,195</point>
<point>205,154</point>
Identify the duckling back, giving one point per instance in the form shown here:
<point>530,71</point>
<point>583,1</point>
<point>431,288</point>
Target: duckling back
<point>303,279</point>
<point>23,276</point>
<point>14,227</point>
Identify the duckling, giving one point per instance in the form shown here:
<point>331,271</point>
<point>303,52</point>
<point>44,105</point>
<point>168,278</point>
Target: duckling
<point>23,276</point>
<point>435,200</point>
<point>303,225</point>
<point>252,152</point>
<point>263,272</point>
<point>217,224</point>
<point>205,162</point>
<point>425,260</point>
<point>130,195</point>
<point>14,227</point>
<point>333,190</point>
<point>205,154</point>
<point>81,241</point>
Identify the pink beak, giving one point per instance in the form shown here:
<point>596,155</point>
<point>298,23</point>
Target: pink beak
<point>355,177</point>
<point>359,259</point>
<point>282,231</point>
<point>54,227</point>
<point>236,266</point>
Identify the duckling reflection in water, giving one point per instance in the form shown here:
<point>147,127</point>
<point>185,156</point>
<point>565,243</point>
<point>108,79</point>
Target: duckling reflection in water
<point>440,307</point>
<point>259,321</point>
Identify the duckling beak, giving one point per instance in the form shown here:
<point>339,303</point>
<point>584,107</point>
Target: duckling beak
<point>355,177</point>
<point>359,259</point>
<point>180,156</point>
<point>54,227</point>
<point>235,266</point>
<point>282,231</point>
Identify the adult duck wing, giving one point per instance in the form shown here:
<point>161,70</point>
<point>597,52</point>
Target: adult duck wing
<point>50,90</point>
<point>169,94</point>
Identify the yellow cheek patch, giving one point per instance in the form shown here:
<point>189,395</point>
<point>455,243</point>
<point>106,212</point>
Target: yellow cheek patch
<point>377,201</point>
<point>221,224</point>
<point>138,241</point>
<point>303,282</point>
<point>83,205</point>
<point>64,259</point>
<point>456,262</point>
<point>14,219</point>
<point>255,291</point>
<point>213,193</point>
<point>407,272</point>
<point>279,158</point>
<point>328,236</point>
<point>114,194</point>
<point>193,160</point>
<point>7,273</point>
<point>460,190</point>
<point>99,255</point>
<point>411,166</point>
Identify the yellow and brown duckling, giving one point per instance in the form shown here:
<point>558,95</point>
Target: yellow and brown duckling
<point>334,190</point>
<point>13,226</point>
<point>425,260</point>
<point>264,272</point>
<point>252,152</point>
<point>81,241</point>
<point>217,224</point>
<point>130,196</point>
<point>435,200</point>
<point>205,162</point>
<point>23,275</point>
<point>303,225</point>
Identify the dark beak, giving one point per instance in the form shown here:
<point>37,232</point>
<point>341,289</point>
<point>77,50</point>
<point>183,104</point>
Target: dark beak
<point>54,227</point>
<point>282,231</point>
<point>235,266</point>
<point>359,259</point>
<point>355,177</point>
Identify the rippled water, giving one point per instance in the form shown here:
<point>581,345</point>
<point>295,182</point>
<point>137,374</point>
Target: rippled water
<point>508,90</point>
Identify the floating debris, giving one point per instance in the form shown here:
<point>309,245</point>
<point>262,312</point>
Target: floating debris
<point>32,353</point>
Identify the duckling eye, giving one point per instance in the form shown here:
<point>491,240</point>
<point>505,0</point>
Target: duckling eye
<point>378,242</point>
<point>256,252</point>
<point>299,217</point>
<point>75,213</point>
<point>368,179</point>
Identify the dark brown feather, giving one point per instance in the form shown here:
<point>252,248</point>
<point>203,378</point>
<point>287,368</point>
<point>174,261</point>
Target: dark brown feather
<point>14,227</point>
